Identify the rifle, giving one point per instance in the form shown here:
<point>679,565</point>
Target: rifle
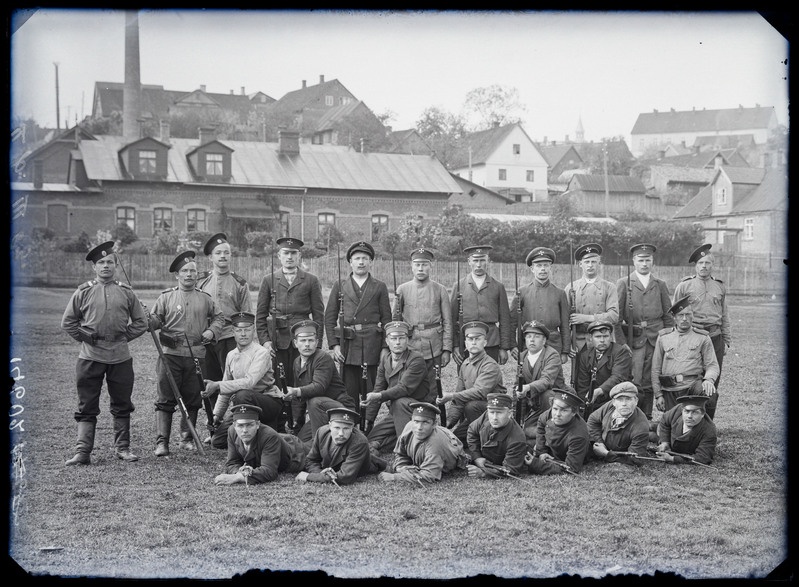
<point>209,409</point>
<point>572,310</point>
<point>521,399</point>
<point>170,378</point>
<point>589,396</point>
<point>498,471</point>
<point>363,384</point>
<point>689,458</point>
<point>560,464</point>
<point>397,314</point>
<point>286,409</point>
<point>629,310</point>
<point>437,368</point>
<point>340,334</point>
<point>628,453</point>
<point>459,301</point>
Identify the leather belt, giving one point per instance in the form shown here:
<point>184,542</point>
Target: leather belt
<point>109,338</point>
<point>672,380</point>
<point>425,326</point>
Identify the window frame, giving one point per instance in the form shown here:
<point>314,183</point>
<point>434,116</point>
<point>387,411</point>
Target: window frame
<point>171,221</point>
<point>380,226</point>
<point>148,158</point>
<point>189,219</point>
<point>502,175</point>
<point>130,221</point>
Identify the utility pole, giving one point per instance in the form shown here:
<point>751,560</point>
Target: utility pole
<point>57,105</point>
<point>607,192</point>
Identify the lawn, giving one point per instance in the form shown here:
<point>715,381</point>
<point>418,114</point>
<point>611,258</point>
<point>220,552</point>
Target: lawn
<point>164,518</point>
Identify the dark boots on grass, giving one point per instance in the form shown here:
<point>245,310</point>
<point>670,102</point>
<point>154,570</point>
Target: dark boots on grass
<point>163,428</point>
<point>186,439</point>
<point>84,445</point>
<point>122,440</point>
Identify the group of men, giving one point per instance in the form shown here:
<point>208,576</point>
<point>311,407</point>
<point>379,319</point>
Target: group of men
<point>278,401</point>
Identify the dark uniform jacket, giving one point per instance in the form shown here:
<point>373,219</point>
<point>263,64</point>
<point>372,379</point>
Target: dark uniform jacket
<point>505,447</point>
<point>363,320</point>
<point>320,378</point>
<point>567,443</point>
<point>650,311</point>
<point>408,379</point>
<point>699,442</point>
<point>546,303</point>
<point>302,300</point>
<point>349,460</point>
<point>489,304</point>
<point>425,306</point>
<point>632,435</point>
<point>546,374</point>
<point>269,453</point>
<point>477,377</point>
<point>614,367</point>
<point>439,453</point>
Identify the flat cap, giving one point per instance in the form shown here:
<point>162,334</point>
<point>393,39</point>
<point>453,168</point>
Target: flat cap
<point>219,238</point>
<point>361,247</point>
<point>242,319</point>
<point>643,249</point>
<point>539,254</point>
<point>292,244</point>
<point>569,397</point>
<point>422,254</point>
<point>343,414</point>
<point>680,305</point>
<point>624,388</point>
<point>498,400</point>
<point>477,250</point>
<point>535,326</point>
<point>305,327</point>
<point>474,327</point>
<point>100,251</point>
<point>587,250</point>
<point>245,412</point>
<point>599,325</point>
<point>182,259</point>
<point>700,252</point>
<point>425,410</point>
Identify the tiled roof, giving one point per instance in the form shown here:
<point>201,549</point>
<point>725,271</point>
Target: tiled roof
<point>616,183</point>
<point>697,160</point>
<point>257,164</point>
<point>553,154</point>
<point>482,143</point>
<point>297,100</point>
<point>702,120</point>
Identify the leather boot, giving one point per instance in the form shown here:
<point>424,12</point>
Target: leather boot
<point>84,445</point>
<point>163,428</point>
<point>122,440</point>
<point>186,439</point>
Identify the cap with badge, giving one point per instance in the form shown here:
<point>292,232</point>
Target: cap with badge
<point>535,326</point>
<point>700,252</point>
<point>242,319</point>
<point>424,410</point>
<point>290,244</point>
<point>361,247</point>
<point>693,400</point>
<point>627,388</point>
<point>475,327</point>
<point>599,325</point>
<point>568,397</point>
<point>477,250</point>
<point>497,401</point>
<point>100,251</point>
<point>397,326</point>
<point>182,259</point>
<point>344,415</point>
<point>587,251</point>
<point>680,305</point>
<point>643,249</point>
<point>305,327</point>
<point>540,255</point>
<point>422,254</point>
<point>220,238</point>
<point>245,412</point>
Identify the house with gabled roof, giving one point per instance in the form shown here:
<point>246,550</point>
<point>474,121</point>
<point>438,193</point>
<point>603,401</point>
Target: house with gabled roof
<point>474,197</point>
<point>407,141</point>
<point>743,210</point>
<point>559,157</point>
<point>612,195</point>
<point>505,160</point>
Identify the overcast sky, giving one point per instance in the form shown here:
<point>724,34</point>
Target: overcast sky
<point>604,68</point>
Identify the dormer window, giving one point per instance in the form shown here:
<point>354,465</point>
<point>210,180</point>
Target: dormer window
<point>721,196</point>
<point>147,162</point>
<point>214,164</point>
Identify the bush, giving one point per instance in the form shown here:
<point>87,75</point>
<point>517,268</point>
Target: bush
<point>82,244</point>
<point>124,234</point>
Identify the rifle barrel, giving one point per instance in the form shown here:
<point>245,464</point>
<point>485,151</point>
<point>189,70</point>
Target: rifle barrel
<point>209,409</point>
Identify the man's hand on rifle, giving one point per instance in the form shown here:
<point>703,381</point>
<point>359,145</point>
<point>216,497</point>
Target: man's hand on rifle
<point>563,358</point>
<point>575,319</point>
<point>371,397</point>
<point>292,392</point>
<point>503,356</point>
<point>598,392</point>
<point>708,387</point>
<point>207,336</point>
<point>245,470</point>
<point>445,397</point>
<point>520,392</point>
<point>660,403</point>
<point>514,352</point>
<point>268,346</point>
<point>330,474</point>
<point>545,456</point>
<point>337,356</point>
<point>475,472</point>
<point>445,358</point>
<point>211,387</point>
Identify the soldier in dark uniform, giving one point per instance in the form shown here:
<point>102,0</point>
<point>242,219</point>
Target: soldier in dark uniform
<point>496,439</point>
<point>256,453</point>
<point>297,296</point>
<point>103,315</point>
<point>684,362</point>
<point>180,312</point>
<point>687,429</point>
<point>544,302</point>
<point>601,365</point>
<point>562,437</point>
<point>340,452</point>
<point>619,426</point>
<point>231,295</point>
<point>708,297</point>
<point>646,312</point>
<point>365,308</point>
<point>484,300</point>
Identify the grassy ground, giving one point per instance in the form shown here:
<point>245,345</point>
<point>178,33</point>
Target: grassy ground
<point>163,517</point>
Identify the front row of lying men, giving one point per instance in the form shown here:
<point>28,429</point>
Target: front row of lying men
<point>480,434</point>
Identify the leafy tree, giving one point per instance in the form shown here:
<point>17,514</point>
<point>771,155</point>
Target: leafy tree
<point>493,105</point>
<point>104,125</point>
<point>620,160</point>
<point>442,131</point>
<point>186,124</point>
<point>123,233</point>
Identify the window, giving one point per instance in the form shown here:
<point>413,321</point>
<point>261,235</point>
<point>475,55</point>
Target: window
<point>127,215</point>
<point>147,162</point>
<point>517,149</point>
<point>749,228</point>
<point>379,226</point>
<point>328,100</point>
<point>195,220</point>
<point>284,223</point>
<point>530,175</point>
<point>323,220</point>
<point>162,220</point>
<point>720,225</point>
<point>721,196</point>
<point>213,164</point>
<point>503,174</point>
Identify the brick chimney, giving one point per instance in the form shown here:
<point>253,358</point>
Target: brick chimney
<point>288,141</point>
<point>717,161</point>
<point>38,173</point>
<point>131,90</point>
<point>206,134</point>
<point>304,84</point>
<point>202,87</point>
<point>321,79</point>
<point>163,126</point>
<point>242,91</point>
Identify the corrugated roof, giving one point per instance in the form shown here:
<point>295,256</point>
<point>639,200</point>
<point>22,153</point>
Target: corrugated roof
<point>336,114</point>
<point>703,120</point>
<point>616,183</point>
<point>316,166</point>
<point>697,160</point>
<point>744,174</point>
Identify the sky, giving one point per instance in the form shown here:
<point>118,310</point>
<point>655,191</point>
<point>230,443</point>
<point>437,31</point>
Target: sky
<point>601,68</point>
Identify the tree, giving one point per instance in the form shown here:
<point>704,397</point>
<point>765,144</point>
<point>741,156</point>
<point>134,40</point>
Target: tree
<point>442,131</point>
<point>620,160</point>
<point>493,105</point>
<point>186,124</point>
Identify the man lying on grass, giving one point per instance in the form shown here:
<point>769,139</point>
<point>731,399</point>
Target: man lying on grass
<point>340,452</point>
<point>425,451</point>
<point>686,432</point>
<point>619,426</point>
<point>496,440</point>
<point>255,452</point>
<point>562,437</point>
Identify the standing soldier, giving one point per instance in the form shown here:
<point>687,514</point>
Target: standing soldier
<point>484,300</point>
<point>595,299</point>
<point>354,321</point>
<point>297,296</point>
<point>645,311</point>
<point>709,304</point>
<point>544,302</point>
<point>182,312</point>
<point>231,294</point>
<point>424,304</point>
<point>103,315</point>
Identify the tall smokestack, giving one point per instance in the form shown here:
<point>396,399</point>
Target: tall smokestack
<point>131,93</point>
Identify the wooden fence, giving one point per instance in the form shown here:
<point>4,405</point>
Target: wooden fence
<point>151,272</point>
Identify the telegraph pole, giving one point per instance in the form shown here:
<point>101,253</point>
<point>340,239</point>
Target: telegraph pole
<point>607,191</point>
<point>57,106</point>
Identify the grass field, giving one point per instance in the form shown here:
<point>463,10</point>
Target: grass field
<point>164,518</point>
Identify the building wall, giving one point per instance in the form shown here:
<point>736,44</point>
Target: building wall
<point>639,142</point>
<point>594,203</point>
